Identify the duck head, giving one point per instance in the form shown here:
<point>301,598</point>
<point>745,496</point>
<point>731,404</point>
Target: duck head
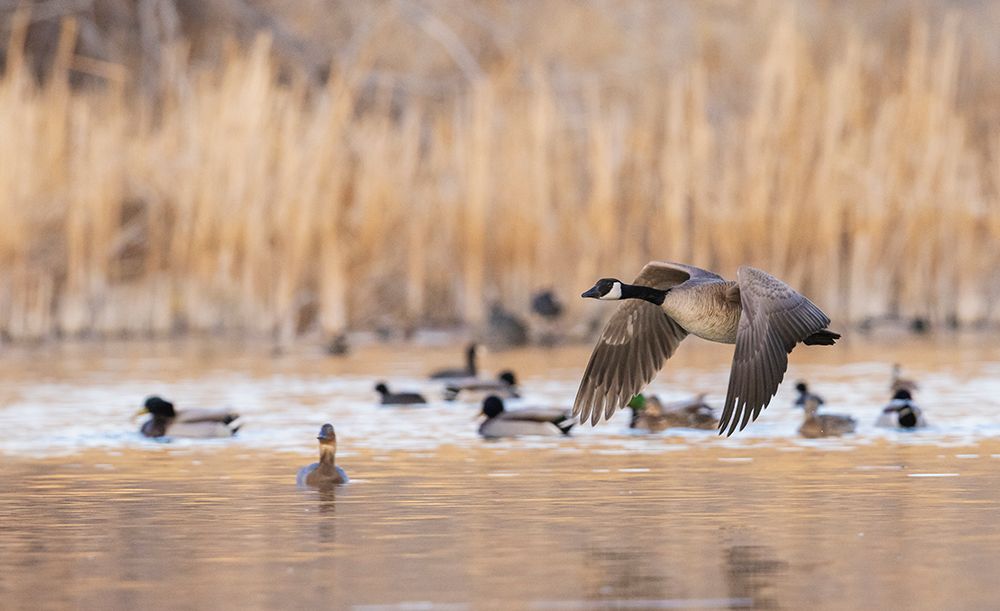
<point>801,387</point>
<point>637,404</point>
<point>902,395</point>
<point>507,377</point>
<point>158,408</point>
<point>381,388</point>
<point>327,436</point>
<point>492,407</point>
<point>605,288</point>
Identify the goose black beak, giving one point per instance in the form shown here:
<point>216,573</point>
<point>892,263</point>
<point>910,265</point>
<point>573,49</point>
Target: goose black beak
<point>593,293</point>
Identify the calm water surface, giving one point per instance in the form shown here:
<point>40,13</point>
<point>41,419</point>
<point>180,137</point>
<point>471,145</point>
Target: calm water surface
<point>94,516</point>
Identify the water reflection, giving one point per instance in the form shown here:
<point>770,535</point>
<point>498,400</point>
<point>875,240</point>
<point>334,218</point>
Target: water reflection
<point>224,528</point>
<point>750,573</point>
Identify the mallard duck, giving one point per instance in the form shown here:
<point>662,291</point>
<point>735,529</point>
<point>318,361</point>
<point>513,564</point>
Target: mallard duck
<point>824,425</point>
<point>901,412</point>
<point>649,414</point>
<point>505,385</point>
<point>469,371</point>
<point>165,421</point>
<point>762,315</point>
<point>325,472</point>
<point>398,398</point>
<point>528,421</point>
<point>804,395</point>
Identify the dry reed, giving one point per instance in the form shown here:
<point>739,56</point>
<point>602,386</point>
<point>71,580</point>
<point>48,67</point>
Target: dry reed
<point>245,201</point>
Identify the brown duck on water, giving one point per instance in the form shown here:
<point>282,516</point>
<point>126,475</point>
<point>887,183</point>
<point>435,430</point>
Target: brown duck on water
<point>649,414</point>
<point>762,315</point>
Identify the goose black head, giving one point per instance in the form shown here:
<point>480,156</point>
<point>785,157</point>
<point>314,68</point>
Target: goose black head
<point>159,408</point>
<point>492,406</point>
<point>606,288</point>
<point>902,395</point>
<point>381,388</point>
<point>327,435</point>
<point>507,377</point>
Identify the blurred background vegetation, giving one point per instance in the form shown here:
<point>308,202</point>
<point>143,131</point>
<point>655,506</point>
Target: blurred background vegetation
<point>295,168</point>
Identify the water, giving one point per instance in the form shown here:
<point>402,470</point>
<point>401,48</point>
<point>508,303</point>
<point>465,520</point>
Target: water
<point>94,516</point>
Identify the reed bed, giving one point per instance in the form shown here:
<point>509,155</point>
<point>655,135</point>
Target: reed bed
<point>243,200</point>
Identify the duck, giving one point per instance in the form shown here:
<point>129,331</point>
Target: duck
<point>547,305</point>
<point>505,385</point>
<point>505,329</point>
<point>469,371</point>
<point>898,382</point>
<point>338,345</point>
<point>501,422</point>
<point>824,425</point>
<point>166,421</point>
<point>901,412</point>
<point>804,395</point>
<point>399,398</point>
<point>649,414</point>
<point>764,317</point>
<point>324,473</point>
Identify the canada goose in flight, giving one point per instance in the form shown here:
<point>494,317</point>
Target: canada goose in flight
<point>505,385</point>
<point>528,421</point>
<point>901,412</point>
<point>199,423</point>
<point>762,315</point>
<point>325,472</point>
<point>900,383</point>
<point>469,371</point>
<point>398,398</point>
<point>648,414</point>
<point>824,425</point>
<point>804,395</point>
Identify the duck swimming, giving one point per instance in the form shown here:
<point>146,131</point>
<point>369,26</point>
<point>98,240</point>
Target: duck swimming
<point>901,412</point>
<point>505,385</point>
<point>325,472</point>
<point>166,421</point>
<point>649,414</point>
<point>501,422</point>
<point>824,425</point>
<point>399,398</point>
<point>762,315</point>
<point>804,395</point>
<point>469,371</point>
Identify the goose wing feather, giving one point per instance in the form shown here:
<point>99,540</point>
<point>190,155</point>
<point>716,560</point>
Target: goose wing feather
<point>636,341</point>
<point>773,318</point>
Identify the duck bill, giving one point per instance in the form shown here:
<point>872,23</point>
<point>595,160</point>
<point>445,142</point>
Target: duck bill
<point>141,412</point>
<point>593,293</point>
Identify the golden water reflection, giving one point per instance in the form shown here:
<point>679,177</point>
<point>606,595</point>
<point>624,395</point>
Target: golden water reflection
<point>879,526</point>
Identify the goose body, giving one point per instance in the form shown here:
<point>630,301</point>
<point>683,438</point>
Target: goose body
<point>398,398</point>
<point>764,317</point>
<point>901,413</point>
<point>324,473</point>
<point>500,422</point>
<point>165,421</point>
<point>469,371</point>
<point>818,425</point>
<point>649,414</point>
<point>504,386</point>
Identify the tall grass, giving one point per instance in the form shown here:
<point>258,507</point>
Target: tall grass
<point>245,200</point>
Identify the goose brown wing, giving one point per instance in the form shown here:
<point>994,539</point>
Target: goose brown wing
<point>632,347</point>
<point>773,318</point>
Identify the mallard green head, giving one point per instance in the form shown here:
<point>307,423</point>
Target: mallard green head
<point>638,402</point>
<point>492,406</point>
<point>158,408</point>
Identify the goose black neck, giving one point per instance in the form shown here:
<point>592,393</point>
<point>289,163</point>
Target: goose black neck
<point>646,293</point>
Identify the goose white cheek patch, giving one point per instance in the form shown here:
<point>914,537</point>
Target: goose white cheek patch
<point>614,293</point>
